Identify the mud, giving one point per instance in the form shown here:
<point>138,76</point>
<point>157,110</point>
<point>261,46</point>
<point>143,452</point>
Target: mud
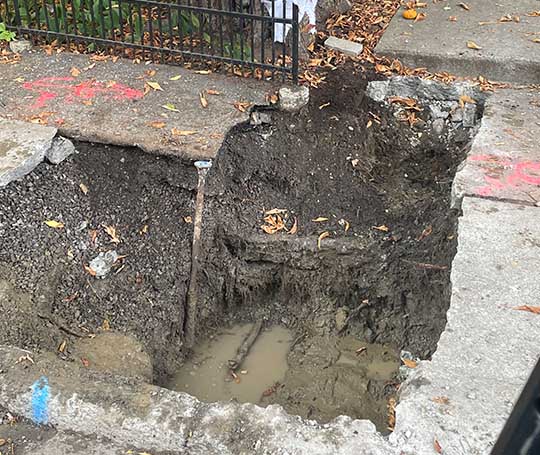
<point>384,285</point>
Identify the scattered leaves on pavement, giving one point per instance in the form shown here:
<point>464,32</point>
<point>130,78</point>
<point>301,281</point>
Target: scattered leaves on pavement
<point>157,124</point>
<point>75,72</point>
<point>465,99</point>
<point>212,92</point>
<point>409,363</point>
<point>154,85</point>
<point>465,6</point>
<point>111,232</point>
<point>170,107</point>
<point>62,346</point>
<point>54,224</point>
<point>25,358</point>
<point>382,228</point>
<point>273,224</point>
<point>241,106</point>
<point>175,78</point>
<point>106,325</point>
<point>203,100</point>
<point>320,219</point>
<point>177,132</point>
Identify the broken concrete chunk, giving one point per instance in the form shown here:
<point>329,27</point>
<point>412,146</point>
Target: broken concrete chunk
<point>341,319</point>
<point>293,98</point>
<point>22,147</point>
<point>103,263</point>
<point>60,149</point>
<point>350,48</point>
<point>20,45</point>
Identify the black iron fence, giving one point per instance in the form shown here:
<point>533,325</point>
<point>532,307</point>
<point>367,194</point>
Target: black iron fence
<point>252,37</point>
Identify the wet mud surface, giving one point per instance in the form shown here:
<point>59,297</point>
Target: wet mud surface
<point>380,273</point>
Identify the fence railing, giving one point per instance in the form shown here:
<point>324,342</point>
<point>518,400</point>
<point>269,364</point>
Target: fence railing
<point>241,35</point>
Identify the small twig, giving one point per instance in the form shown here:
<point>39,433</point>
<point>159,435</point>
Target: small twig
<point>425,265</point>
<point>60,326</point>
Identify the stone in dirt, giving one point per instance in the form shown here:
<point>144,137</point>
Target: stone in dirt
<point>20,45</point>
<point>60,149</point>
<point>22,147</point>
<point>103,263</point>
<point>293,98</point>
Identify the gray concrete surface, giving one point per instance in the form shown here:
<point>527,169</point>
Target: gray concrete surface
<point>504,161</point>
<point>22,147</point>
<point>342,45</point>
<point>508,52</point>
<point>105,101</point>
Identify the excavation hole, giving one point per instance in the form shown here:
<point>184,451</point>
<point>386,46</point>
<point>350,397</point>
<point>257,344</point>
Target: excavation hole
<point>360,256</point>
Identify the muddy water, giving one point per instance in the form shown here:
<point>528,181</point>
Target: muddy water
<point>207,377</point>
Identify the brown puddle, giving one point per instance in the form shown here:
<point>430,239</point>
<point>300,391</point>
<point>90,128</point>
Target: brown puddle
<point>206,374</point>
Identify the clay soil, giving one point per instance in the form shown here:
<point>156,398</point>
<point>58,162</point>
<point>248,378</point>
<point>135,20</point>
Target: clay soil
<point>389,184</point>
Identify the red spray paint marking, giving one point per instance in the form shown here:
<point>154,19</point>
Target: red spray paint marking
<point>50,88</point>
<point>505,173</point>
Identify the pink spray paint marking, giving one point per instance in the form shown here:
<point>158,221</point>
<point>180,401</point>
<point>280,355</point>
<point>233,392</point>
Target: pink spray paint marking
<point>67,88</point>
<point>501,173</point>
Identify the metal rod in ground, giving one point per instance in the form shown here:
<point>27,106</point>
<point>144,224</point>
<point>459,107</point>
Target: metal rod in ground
<point>193,291</point>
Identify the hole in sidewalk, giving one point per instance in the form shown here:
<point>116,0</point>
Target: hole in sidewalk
<point>352,267</point>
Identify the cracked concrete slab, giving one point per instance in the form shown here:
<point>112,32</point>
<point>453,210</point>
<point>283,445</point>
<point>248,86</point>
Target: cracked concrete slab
<point>463,396</point>
<point>504,160</point>
<point>508,52</point>
<point>105,101</point>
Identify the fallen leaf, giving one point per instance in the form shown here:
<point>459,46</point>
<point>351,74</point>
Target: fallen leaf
<point>360,350</point>
<point>93,235</point>
<point>320,219</point>
<point>150,73</point>
<point>534,14</point>
<point>106,325</point>
<point>175,78</point>
<point>2,442</point>
<point>473,45</point>
<point>188,220</point>
<point>382,228</point>
<point>83,188</point>
<point>465,6</point>
<point>203,72</point>
<point>343,222</point>
<point>426,232</point>
<point>177,132</point>
<point>62,346</point>
<point>75,72</point>
<point>212,92</point>
<point>464,99</point>
<point>144,229</point>
<point>322,106</point>
<point>437,446</point>
<point>391,406</point>
<point>154,85</point>
<point>170,107</point>
<point>368,124</point>
<point>111,231</point>
<point>536,40</point>
<point>54,224</point>
<point>409,363</point>
<point>420,17</point>
<point>87,102</point>
<point>241,106</point>
<point>441,400</point>
<point>452,18</point>
<point>321,237</point>
<point>530,309</point>
<point>85,362</point>
<point>156,124</point>
<point>89,270</point>
<point>294,229</point>
<point>204,101</point>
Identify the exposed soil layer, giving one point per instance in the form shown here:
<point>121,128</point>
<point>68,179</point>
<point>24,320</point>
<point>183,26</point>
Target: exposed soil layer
<point>385,285</point>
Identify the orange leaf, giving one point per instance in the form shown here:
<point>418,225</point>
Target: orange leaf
<point>213,92</point>
<point>465,6</point>
<point>437,446</point>
<point>89,270</point>
<point>409,363</point>
<point>321,237</point>
<point>157,125</point>
<point>473,45</point>
<point>294,228</point>
<point>177,132</point>
<point>242,107</point>
<point>382,228</point>
<point>204,101</point>
<point>530,309</point>
<point>85,362</point>
<point>75,72</point>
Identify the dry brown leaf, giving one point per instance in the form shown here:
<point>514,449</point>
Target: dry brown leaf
<point>203,72</point>
<point>320,219</point>
<point>409,363</point>
<point>177,132</point>
<point>156,124</point>
<point>465,6</point>
<point>85,362</point>
<point>93,235</point>
<point>473,45</point>
<point>106,325</point>
<point>111,232</point>
<point>188,220</point>
<point>437,446</point>
<point>321,237</point>
<point>54,224</point>
<point>464,99</point>
<point>75,72</point>
<point>83,188</point>
<point>536,40</point>
<point>391,406</point>
<point>154,85</point>
<point>452,18</point>
<point>203,100</point>
<point>441,400</point>
<point>62,347</point>
<point>426,232</point>
<point>530,309</point>
<point>294,228</point>
<point>534,14</point>
<point>150,73</point>
<point>420,17</point>
<point>382,228</point>
<point>89,270</point>
<point>212,92</point>
<point>241,106</point>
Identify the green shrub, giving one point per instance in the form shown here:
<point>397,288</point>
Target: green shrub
<point>6,35</point>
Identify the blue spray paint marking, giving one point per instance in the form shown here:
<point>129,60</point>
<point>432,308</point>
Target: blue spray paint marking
<point>40,400</point>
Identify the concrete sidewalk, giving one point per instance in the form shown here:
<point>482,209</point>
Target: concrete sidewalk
<point>155,107</point>
<point>507,31</point>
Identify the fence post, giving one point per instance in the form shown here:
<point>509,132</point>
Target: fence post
<point>18,22</point>
<point>295,32</point>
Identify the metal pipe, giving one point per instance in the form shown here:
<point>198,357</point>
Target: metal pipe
<point>192,297</point>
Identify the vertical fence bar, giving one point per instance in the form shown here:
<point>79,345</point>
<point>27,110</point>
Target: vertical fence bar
<point>150,19</point>
<point>284,45</point>
<point>37,8</point>
<point>101,18</point>
<point>121,27</point>
<point>273,37</point>
<point>160,32</point>
<point>17,14</point>
<point>82,12</point>
<point>294,43</point>
<point>92,18</point>
<point>111,15</point>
